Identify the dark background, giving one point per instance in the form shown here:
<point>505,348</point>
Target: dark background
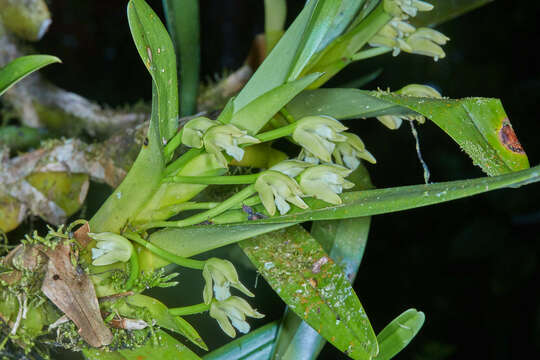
<point>471,265</point>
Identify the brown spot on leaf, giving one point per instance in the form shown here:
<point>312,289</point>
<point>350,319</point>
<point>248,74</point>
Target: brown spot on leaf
<point>508,137</point>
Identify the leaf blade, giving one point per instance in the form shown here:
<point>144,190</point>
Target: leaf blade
<point>399,333</point>
<point>21,67</point>
<point>168,349</point>
<point>183,23</point>
<point>157,53</point>
<point>479,125</point>
<point>314,287</point>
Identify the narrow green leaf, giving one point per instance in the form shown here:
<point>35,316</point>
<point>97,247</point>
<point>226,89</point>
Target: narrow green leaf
<point>382,201</point>
<point>258,112</point>
<point>314,287</point>
<point>183,23</point>
<point>21,67</point>
<point>479,125</point>
<point>320,23</point>
<point>167,348</point>
<point>446,10</point>
<point>338,54</point>
<point>399,333</point>
<point>256,345</point>
<point>160,313</point>
<point>344,241</point>
<point>275,69</point>
<point>348,9</point>
<point>275,14</point>
<point>157,53</point>
<point>193,240</point>
<point>343,104</point>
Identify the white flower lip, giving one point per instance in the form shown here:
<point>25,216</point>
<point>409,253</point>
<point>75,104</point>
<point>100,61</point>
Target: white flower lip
<point>219,275</point>
<point>110,248</point>
<point>277,190</point>
<point>233,310</point>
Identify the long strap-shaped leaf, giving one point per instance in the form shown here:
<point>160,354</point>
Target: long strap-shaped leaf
<point>183,23</point>
<point>382,201</point>
<point>21,67</point>
<point>344,241</point>
<point>355,204</point>
<point>314,287</point>
<point>479,125</point>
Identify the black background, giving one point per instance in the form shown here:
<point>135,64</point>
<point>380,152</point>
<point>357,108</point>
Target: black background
<point>471,265</point>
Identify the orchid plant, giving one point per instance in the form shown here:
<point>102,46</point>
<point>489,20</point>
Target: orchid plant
<point>81,287</point>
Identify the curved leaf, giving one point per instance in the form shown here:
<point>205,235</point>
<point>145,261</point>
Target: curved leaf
<point>21,67</point>
<point>382,201</point>
<point>314,287</point>
<point>256,345</point>
<point>160,313</point>
<point>479,125</point>
<point>157,52</point>
<point>399,333</point>
<point>257,113</point>
<point>167,348</point>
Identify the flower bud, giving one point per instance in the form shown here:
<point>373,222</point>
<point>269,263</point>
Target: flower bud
<point>227,137</point>
<point>110,248</point>
<point>347,153</point>
<point>193,131</point>
<point>235,310</point>
<point>324,182</point>
<point>424,46</point>
<point>317,134</point>
<point>219,275</point>
<point>276,189</point>
<point>406,8</point>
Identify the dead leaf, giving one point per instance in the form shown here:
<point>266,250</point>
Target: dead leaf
<point>73,293</point>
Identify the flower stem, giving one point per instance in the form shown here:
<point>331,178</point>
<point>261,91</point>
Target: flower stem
<point>366,54</point>
<point>181,161</point>
<point>178,260</point>
<point>133,270</point>
<point>175,142</point>
<point>189,310</point>
<point>277,133</point>
<point>287,116</point>
<point>233,201</point>
<point>214,180</point>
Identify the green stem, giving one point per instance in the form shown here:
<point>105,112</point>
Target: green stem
<point>175,142</point>
<point>277,133</point>
<point>366,54</point>
<point>181,161</point>
<point>290,119</point>
<point>214,180</point>
<point>133,270</point>
<point>233,201</point>
<point>178,260</point>
<point>189,310</point>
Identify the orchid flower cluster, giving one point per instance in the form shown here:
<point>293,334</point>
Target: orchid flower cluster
<point>328,155</point>
<point>400,35</point>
